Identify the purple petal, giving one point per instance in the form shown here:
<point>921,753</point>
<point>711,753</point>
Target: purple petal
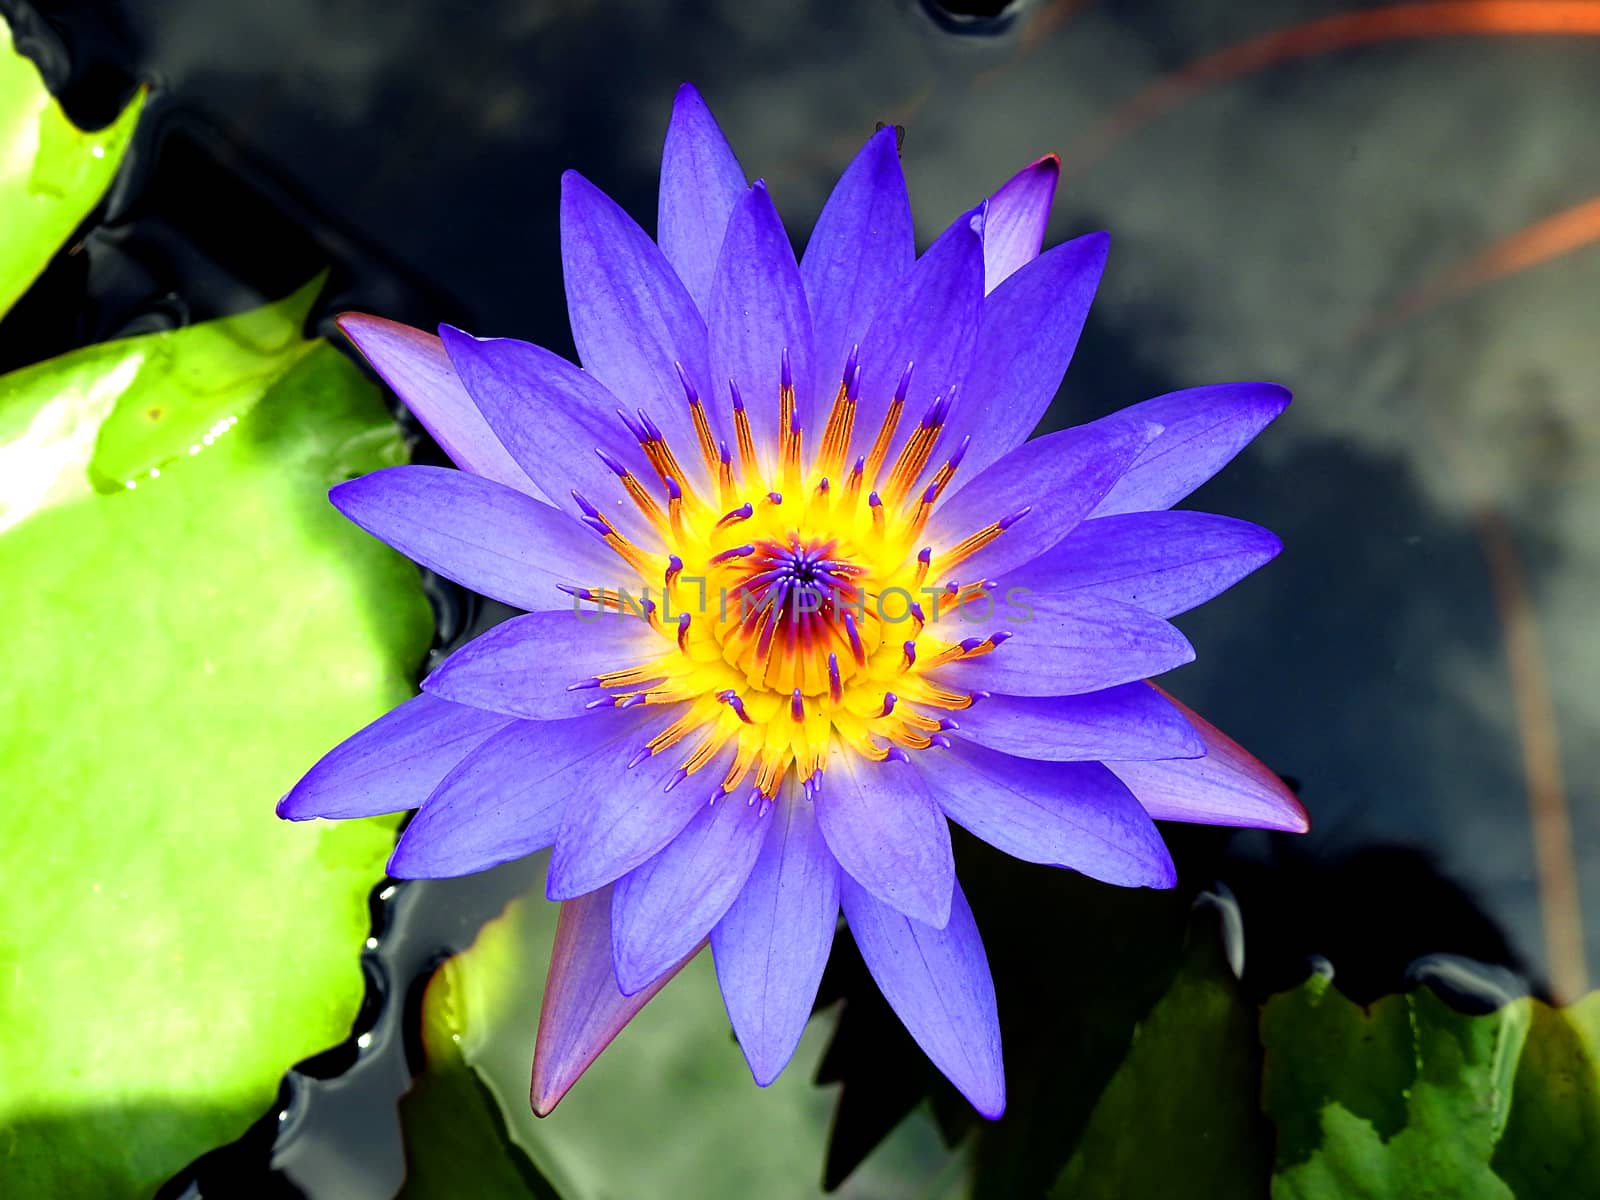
<point>583,1009</point>
<point>662,910</point>
<point>525,667</point>
<point>1163,562</point>
<point>883,825</point>
<point>1013,226</point>
<point>632,320</point>
<point>483,535</point>
<point>930,319</point>
<point>625,817</point>
<point>1029,330</point>
<point>771,947</point>
<point>505,799</point>
<point>701,181</point>
<point>1133,722</point>
<point>860,247</point>
<point>1229,786</point>
<point>415,365</point>
<point>937,981</point>
<point>1204,428</point>
<point>1067,814</point>
<point>553,418</point>
<point>1053,481</point>
<point>393,763</point>
<point>1063,643</point>
<point>757,311</point>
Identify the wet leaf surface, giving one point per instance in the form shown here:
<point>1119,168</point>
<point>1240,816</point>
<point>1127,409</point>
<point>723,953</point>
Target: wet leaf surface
<point>187,646</point>
<point>52,174</point>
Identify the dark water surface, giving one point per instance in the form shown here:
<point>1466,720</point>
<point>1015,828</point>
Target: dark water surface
<point>1421,659</point>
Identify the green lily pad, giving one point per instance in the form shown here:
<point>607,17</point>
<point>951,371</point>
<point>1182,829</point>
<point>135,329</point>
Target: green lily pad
<point>1183,1104</point>
<point>1405,1099</point>
<point>51,172</point>
<point>186,645</point>
<point>1551,1144</point>
<point>668,1110</point>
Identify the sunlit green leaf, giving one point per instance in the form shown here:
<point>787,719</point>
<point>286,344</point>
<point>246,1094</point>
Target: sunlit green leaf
<point>1403,1099</point>
<point>182,649</point>
<point>51,172</point>
<point>668,1110</point>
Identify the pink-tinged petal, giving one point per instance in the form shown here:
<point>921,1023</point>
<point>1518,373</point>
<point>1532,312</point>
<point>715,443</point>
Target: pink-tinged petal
<point>1229,786</point>
<point>393,763</point>
<point>633,321</point>
<point>1062,643</point>
<point>542,666</point>
<point>938,983</point>
<point>1013,226</point>
<point>505,799</point>
<point>887,831</point>
<point>1163,562</point>
<point>861,246</point>
<point>1026,338</point>
<point>583,1008</point>
<point>483,535</point>
<point>929,320</point>
<point>701,181</point>
<point>415,366</point>
<point>1066,814</point>
<point>771,947</point>
<point>757,311</point>
<point>1040,491</point>
<point>617,825</point>
<point>1204,428</point>
<point>662,910</point>
<point>555,420</point>
<point>1132,722</point>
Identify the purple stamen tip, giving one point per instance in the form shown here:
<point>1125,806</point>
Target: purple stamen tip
<point>634,427</point>
<point>683,620</point>
<point>911,652</point>
<point>861,465</point>
<point>674,564</point>
<point>688,388</point>
<point>939,740</point>
<point>581,593</point>
<point>596,524</point>
<point>925,555</point>
<point>678,777</point>
<point>775,497</point>
<point>738,400</point>
<point>611,463</point>
<point>949,724</point>
<point>674,492</point>
<point>650,427</point>
<point>916,611</point>
<point>930,493</point>
<point>874,500</point>
<point>853,383</point>
<point>743,513</point>
<point>785,371</point>
<point>996,639</point>
<point>961,452</point>
<point>602,702</point>
<point>583,685</point>
<point>734,552</point>
<point>822,485</point>
<point>905,382</point>
<point>589,510</point>
<point>833,669</point>
<point>632,701</point>
<point>723,453</point>
<point>852,362</point>
<point>896,754</point>
<point>968,645</point>
<point>797,706</point>
<point>794,421</point>
<point>755,794</point>
<point>1008,522</point>
<point>644,753</point>
<point>980,694</point>
<point>889,701</point>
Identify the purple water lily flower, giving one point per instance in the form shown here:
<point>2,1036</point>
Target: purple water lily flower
<point>798,592</point>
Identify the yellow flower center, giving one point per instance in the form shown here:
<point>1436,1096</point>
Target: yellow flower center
<point>795,610</point>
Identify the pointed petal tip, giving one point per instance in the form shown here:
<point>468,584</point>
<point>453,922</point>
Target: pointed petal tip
<point>687,93</point>
<point>1047,162</point>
